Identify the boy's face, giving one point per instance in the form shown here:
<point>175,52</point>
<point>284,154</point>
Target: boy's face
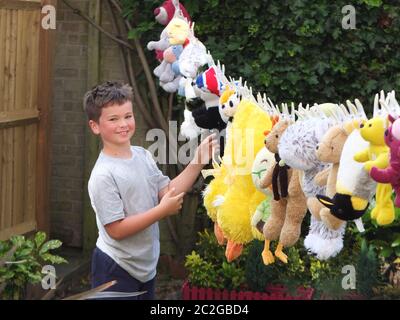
<point>116,124</point>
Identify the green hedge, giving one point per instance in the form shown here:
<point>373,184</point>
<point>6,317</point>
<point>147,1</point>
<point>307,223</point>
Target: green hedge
<point>296,50</point>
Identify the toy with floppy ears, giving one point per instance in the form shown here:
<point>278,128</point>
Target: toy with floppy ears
<point>297,148</point>
<point>329,150</point>
<point>392,173</point>
<point>354,187</point>
<point>163,15</point>
<point>288,206</point>
<point>173,39</point>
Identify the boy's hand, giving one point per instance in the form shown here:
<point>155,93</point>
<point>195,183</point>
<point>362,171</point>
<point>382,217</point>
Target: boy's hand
<point>205,150</point>
<point>171,203</point>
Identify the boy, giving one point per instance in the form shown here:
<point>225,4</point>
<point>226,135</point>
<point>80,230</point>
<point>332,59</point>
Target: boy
<point>129,194</point>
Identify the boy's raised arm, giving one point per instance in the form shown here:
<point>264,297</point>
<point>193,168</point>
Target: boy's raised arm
<point>170,204</point>
<point>184,181</point>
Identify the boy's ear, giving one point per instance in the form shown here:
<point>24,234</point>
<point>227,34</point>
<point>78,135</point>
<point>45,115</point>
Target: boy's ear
<point>94,126</point>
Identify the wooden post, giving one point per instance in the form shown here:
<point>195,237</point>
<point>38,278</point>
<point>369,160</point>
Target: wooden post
<point>92,142</point>
<point>45,80</point>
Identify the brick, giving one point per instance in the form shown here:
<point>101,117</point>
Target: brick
<point>66,139</point>
<point>69,120</point>
<point>62,205</point>
<point>67,72</point>
<point>70,27</point>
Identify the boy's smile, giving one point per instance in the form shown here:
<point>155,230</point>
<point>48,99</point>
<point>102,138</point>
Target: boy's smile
<point>116,126</point>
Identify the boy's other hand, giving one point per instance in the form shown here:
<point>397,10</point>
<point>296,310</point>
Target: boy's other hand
<point>171,203</point>
<point>206,149</point>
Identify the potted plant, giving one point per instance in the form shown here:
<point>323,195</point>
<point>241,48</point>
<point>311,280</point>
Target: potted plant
<point>21,263</point>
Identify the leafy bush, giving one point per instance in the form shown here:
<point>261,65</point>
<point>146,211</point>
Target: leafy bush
<point>294,50</point>
<point>367,270</point>
<point>22,261</point>
<point>208,267</point>
<point>258,275</point>
<point>201,273</point>
<point>384,239</point>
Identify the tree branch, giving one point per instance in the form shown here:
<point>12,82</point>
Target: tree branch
<point>153,92</point>
<point>95,25</point>
<point>170,105</point>
<point>128,66</point>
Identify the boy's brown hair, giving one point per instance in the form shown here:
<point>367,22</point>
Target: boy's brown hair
<point>103,95</point>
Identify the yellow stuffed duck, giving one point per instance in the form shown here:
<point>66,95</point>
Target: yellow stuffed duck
<point>241,198</point>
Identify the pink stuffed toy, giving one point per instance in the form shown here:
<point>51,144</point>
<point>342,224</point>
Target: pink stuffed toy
<point>164,13</point>
<point>392,173</point>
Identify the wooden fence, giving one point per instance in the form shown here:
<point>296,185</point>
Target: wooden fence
<point>25,98</point>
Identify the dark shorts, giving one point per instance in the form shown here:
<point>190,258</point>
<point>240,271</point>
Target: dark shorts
<point>105,269</point>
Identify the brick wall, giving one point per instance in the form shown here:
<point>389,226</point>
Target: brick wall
<point>69,123</point>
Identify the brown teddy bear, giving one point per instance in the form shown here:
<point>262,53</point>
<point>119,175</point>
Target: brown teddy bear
<point>329,150</point>
<point>288,207</point>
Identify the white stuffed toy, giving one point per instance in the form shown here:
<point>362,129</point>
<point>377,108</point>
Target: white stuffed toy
<point>297,149</point>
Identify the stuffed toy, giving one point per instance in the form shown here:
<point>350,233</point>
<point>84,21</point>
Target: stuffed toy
<point>377,155</point>
<point>169,80</point>
<point>193,56</point>
<point>165,71</point>
<point>228,102</point>
<point>213,198</point>
<point>262,163</point>
<point>178,31</point>
<point>392,173</point>
<point>297,148</point>
<point>173,39</point>
<point>264,160</point>
<point>164,13</point>
<point>354,187</point>
<point>160,45</point>
<point>329,150</point>
<point>201,112</point>
<point>288,206</point>
<point>260,217</point>
<point>214,195</point>
<point>245,141</point>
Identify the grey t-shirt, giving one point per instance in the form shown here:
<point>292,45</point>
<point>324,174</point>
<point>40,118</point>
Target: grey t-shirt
<point>119,188</point>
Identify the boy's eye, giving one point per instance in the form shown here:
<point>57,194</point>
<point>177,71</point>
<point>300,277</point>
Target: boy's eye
<point>129,116</point>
